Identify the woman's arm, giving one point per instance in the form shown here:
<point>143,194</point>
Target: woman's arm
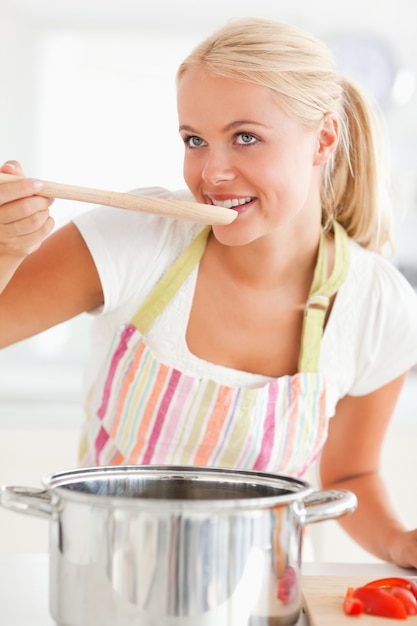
<point>44,279</point>
<point>351,460</point>
<point>24,222</point>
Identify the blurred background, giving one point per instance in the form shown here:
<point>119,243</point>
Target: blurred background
<point>88,98</point>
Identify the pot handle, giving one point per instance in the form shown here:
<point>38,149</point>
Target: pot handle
<point>28,500</point>
<point>325,505</point>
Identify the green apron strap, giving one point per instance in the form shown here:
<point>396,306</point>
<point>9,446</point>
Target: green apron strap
<point>321,291</point>
<point>170,282</point>
<point>315,312</point>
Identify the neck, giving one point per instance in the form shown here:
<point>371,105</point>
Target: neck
<point>271,261</point>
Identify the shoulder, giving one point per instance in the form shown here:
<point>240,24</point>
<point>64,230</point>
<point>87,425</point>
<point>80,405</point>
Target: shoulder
<point>103,220</point>
<point>375,269</point>
<point>120,227</point>
<point>371,335</point>
<point>132,249</point>
<point>378,290</point>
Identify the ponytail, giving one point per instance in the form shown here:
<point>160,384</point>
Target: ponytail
<point>355,183</point>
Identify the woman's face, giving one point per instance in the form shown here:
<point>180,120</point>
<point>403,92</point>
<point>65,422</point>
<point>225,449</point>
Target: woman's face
<point>243,151</point>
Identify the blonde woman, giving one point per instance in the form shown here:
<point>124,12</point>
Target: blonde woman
<point>279,341</point>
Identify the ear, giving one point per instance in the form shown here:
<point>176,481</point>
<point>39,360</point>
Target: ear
<point>328,138</point>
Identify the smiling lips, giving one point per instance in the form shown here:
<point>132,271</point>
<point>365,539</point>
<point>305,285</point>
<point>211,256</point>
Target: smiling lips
<point>231,203</point>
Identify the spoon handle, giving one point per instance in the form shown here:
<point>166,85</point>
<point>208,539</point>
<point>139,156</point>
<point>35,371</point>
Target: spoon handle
<point>194,211</point>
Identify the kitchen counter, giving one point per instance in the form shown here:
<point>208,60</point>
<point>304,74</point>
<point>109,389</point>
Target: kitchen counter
<point>24,584</point>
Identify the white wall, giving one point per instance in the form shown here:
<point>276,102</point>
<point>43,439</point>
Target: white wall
<point>88,98</point>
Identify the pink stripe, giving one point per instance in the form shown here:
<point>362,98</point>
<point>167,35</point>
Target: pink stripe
<point>269,429</point>
<point>117,356</point>
<point>163,408</point>
<point>100,442</point>
<point>175,416</point>
<point>294,394</point>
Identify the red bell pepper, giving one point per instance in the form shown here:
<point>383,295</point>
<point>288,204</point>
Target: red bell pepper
<point>351,605</point>
<point>394,597</point>
<point>406,597</point>
<point>394,581</point>
<point>379,601</point>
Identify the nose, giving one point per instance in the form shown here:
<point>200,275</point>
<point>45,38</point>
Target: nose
<point>218,167</point>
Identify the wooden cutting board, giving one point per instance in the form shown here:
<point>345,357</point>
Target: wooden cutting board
<point>323,601</point>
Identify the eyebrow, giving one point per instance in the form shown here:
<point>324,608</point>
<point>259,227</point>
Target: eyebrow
<point>229,126</point>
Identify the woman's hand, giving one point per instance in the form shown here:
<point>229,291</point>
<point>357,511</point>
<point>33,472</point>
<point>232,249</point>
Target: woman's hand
<point>24,216</point>
<point>403,548</point>
<point>44,280</point>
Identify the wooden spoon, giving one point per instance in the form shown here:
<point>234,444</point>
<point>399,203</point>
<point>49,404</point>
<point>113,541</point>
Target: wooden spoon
<point>194,211</point>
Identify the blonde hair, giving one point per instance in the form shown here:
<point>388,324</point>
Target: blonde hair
<point>300,70</point>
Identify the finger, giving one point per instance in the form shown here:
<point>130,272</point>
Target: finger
<point>23,243</point>
<point>25,226</point>
<point>22,208</point>
<point>12,167</point>
<point>20,188</point>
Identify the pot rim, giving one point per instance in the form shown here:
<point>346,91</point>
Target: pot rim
<point>57,484</point>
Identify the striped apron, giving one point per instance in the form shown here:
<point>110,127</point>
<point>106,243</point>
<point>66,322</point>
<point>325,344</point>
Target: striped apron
<point>141,411</point>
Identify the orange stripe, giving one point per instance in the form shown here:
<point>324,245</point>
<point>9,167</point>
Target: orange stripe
<point>125,389</point>
<point>214,426</point>
<point>149,411</point>
<point>119,459</point>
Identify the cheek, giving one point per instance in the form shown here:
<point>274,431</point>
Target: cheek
<point>189,169</point>
<point>192,176</point>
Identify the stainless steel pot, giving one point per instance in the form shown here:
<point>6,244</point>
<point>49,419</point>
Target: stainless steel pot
<point>175,546</point>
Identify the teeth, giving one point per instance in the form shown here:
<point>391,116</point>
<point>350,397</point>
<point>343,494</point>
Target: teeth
<point>229,204</point>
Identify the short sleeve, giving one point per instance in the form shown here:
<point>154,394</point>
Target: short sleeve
<point>371,335</point>
<point>131,249</point>
<point>388,347</point>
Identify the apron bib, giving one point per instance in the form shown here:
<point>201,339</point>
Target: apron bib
<point>141,411</point>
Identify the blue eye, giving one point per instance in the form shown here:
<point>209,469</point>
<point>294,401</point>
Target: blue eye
<point>246,138</point>
<point>194,142</point>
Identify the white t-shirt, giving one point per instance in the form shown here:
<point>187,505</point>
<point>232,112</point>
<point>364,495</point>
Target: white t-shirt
<point>370,337</point>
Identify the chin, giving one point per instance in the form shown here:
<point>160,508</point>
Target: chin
<point>231,236</point>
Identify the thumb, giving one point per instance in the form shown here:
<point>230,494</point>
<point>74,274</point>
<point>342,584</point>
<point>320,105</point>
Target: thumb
<point>12,167</point>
